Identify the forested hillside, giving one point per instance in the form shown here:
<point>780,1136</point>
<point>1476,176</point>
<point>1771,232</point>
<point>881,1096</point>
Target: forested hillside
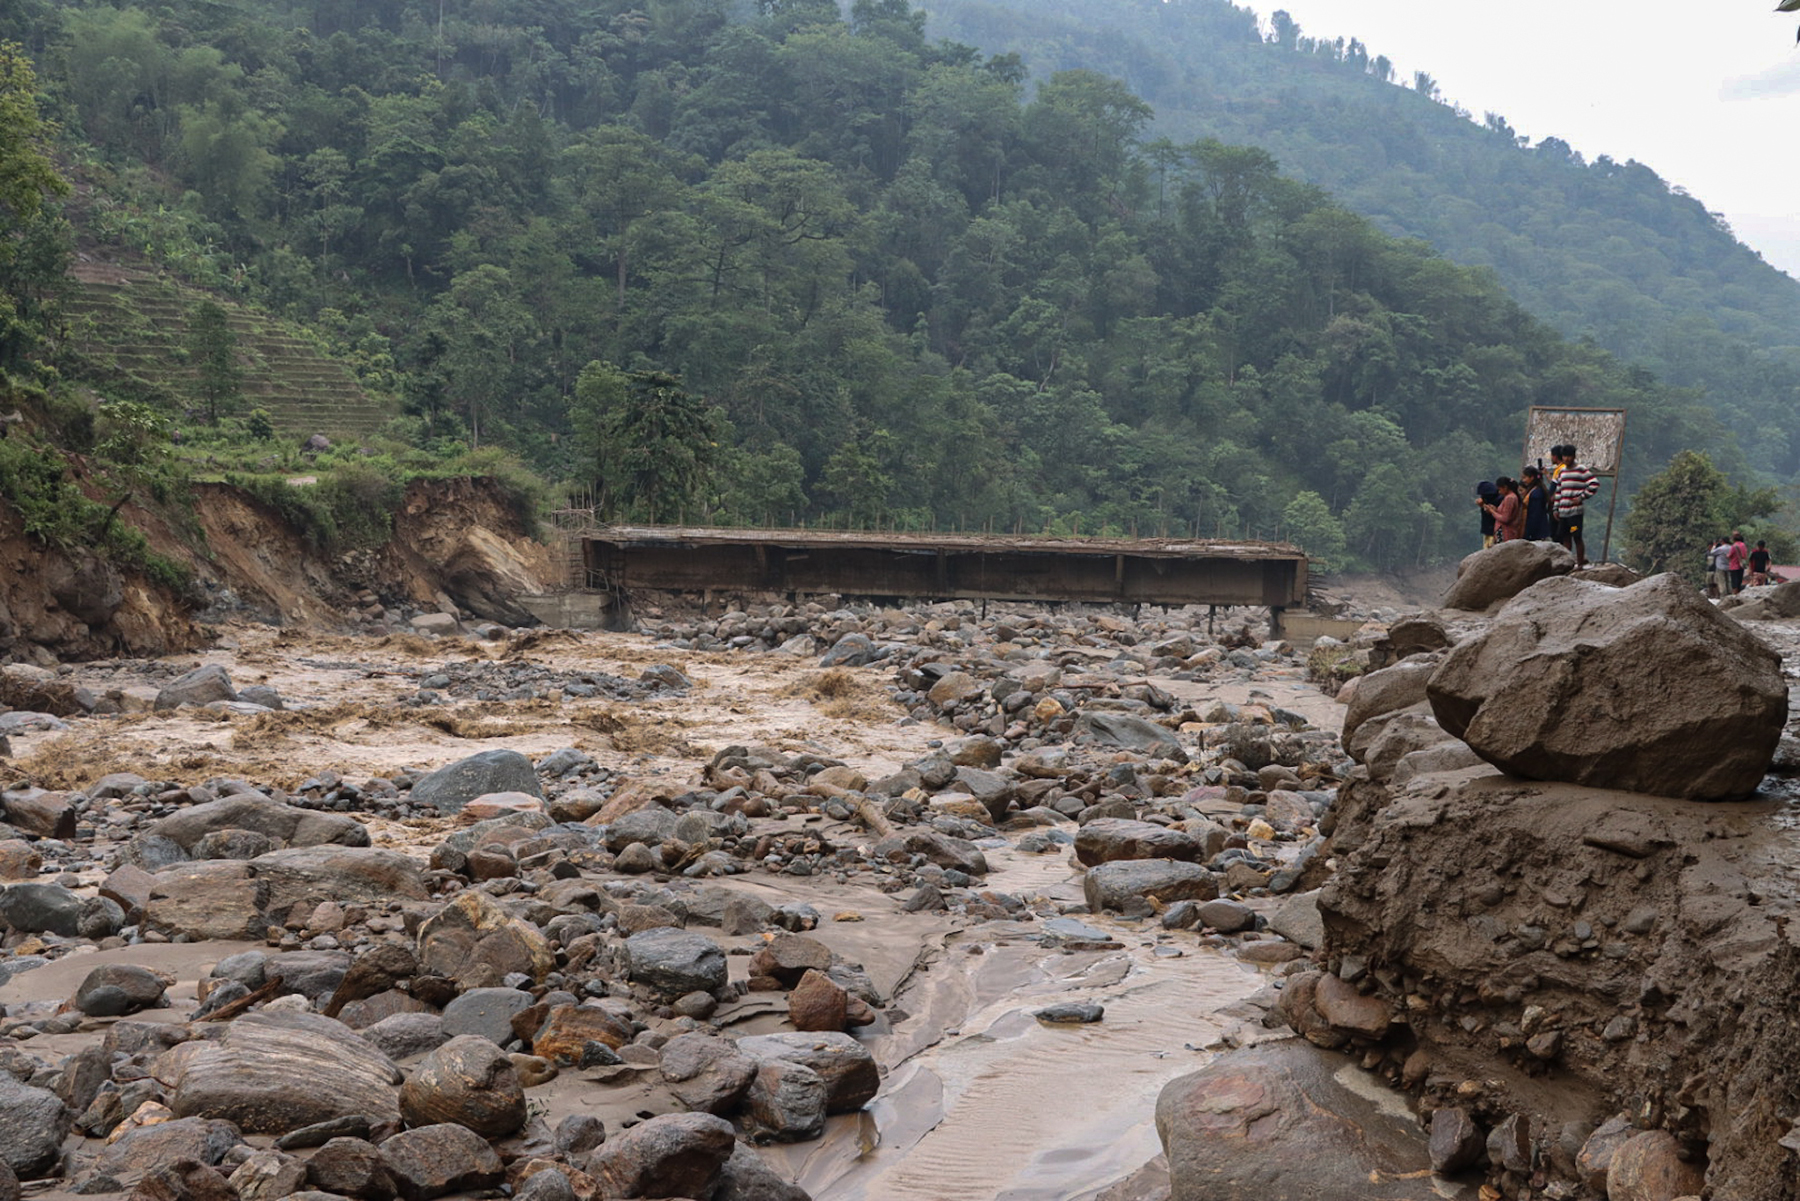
<point>1606,250</point>
<point>764,265</point>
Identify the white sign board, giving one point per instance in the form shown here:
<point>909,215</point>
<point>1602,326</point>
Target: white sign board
<point>1598,436</point>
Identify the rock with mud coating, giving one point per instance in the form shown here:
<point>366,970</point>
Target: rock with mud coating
<point>211,900</point>
<point>1107,839</point>
<point>1456,1141</point>
<point>706,1073</point>
<point>1125,885</point>
<point>350,1167</point>
<point>851,1078</point>
<point>470,1081</point>
<point>817,1003</point>
<point>1644,689</point>
<point>40,813</point>
<point>674,1155</point>
<point>787,957</point>
<point>34,1126</point>
<point>473,933</point>
<point>1386,691</point>
<point>268,1175</point>
<point>271,1073</point>
<point>184,1180</point>
<point>433,1160</point>
<point>288,825</point>
<point>676,961</point>
<point>1501,572</point>
<point>453,786</point>
<point>748,1177</point>
<point>1273,1123</point>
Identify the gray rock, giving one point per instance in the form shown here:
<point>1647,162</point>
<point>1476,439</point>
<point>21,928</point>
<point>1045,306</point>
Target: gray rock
<point>1456,1141</point>
<point>36,1122</point>
<point>268,1175</point>
<point>1107,839</point>
<point>347,875</point>
<point>469,1081</point>
<point>203,1140</point>
<point>1227,916</point>
<point>706,1073</point>
<point>233,844</point>
<point>453,786</point>
<point>748,1177</point>
<point>487,1012</point>
<point>286,825</point>
<point>676,961</point>
<point>547,1185</point>
<point>673,1155</point>
<point>1124,885</point>
<point>848,1068</point>
<point>649,825</point>
<point>115,989</point>
<point>201,686</point>
<point>1298,920</point>
<point>272,1073</point>
<point>41,909</point>
<point>433,1160</point>
<point>404,1035</point>
<point>786,1102</point>
<point>1132,734</point>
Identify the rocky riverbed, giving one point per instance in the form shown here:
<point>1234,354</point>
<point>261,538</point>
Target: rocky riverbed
<point>850,903</point>
<point>792,901</point>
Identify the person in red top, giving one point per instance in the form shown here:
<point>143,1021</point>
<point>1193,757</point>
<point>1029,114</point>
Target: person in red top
<point>1508,512</point>
<point>1734,562</point>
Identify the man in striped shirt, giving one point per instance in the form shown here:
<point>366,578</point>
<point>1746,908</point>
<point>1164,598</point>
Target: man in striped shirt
<point>1574,484</point>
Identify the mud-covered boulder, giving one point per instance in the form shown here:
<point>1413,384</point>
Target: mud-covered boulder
<point>1107,839</point>
<point>706,1073</point>
<point>851,1078</point>
<point>433,1160</point>
<point>360,875</point>
<point>453,786</point>
<point>1275,1122</point>
<point>1386,691</point>
<point>1644,689</point>
<point>473,934</point>
<point>1499,573</point>
<point>1131,733</point>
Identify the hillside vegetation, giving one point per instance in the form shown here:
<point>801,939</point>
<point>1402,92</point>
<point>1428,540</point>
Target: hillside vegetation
<point>1603,250</point>
<point>784,264</point>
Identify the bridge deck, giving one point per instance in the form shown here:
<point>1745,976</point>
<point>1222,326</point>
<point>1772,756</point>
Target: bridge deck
<point>1170,571</point>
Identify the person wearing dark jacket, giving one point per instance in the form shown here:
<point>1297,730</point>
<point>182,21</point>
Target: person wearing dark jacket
<point>1536,502</point>
<point>1486,494</point>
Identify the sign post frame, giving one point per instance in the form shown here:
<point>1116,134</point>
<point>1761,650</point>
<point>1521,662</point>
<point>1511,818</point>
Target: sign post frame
<point>1612,469</point>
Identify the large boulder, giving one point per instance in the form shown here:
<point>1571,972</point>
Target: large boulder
<point>347,875</point>
<point>1274,1123</point>
<point>35,1123</point>
<point>848,1068</point>
<point>433,1160</point>
<point>201,686</point>
<point>451,787</point>
<point>214,899</point>
<point>1501,572</point>
<point>272,1073</point>
<point>1645,689</point>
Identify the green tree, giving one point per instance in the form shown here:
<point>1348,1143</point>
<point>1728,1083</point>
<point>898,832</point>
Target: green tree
<point>1677,513</point>
<point>1311,523</point>
<point>654,446</point>
<point>213,346</point>
<point>33,241</point>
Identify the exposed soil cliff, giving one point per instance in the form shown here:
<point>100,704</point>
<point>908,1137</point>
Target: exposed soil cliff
<point>457,545</point>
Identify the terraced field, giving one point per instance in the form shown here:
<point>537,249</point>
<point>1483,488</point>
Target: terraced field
<point>135,323</point>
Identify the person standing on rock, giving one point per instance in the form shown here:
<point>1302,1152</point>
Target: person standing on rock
<point>1759,564</point>
<point>1536,503</point>
<point>1486,494</point>
<point>1740,554</point>
<point>1508,513</point>
<point>1574,485</point>
<point>1717,573</point>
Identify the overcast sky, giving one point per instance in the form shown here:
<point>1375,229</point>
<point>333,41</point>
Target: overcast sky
<point>1704,92</point>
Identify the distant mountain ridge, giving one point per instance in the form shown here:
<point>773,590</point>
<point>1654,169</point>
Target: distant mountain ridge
<point>1602,250</point>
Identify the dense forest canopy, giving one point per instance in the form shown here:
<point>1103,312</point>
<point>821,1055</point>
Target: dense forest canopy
<point>1603,250</point>
<point>780,262</point>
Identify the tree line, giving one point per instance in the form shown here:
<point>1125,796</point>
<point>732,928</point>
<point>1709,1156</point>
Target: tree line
<point>782,263</point>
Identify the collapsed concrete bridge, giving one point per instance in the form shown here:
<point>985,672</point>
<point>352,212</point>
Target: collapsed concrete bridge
<point>619,559</point>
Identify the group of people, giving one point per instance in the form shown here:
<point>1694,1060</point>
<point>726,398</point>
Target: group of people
<point>1538,509</point>
<point>1729,559</point>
